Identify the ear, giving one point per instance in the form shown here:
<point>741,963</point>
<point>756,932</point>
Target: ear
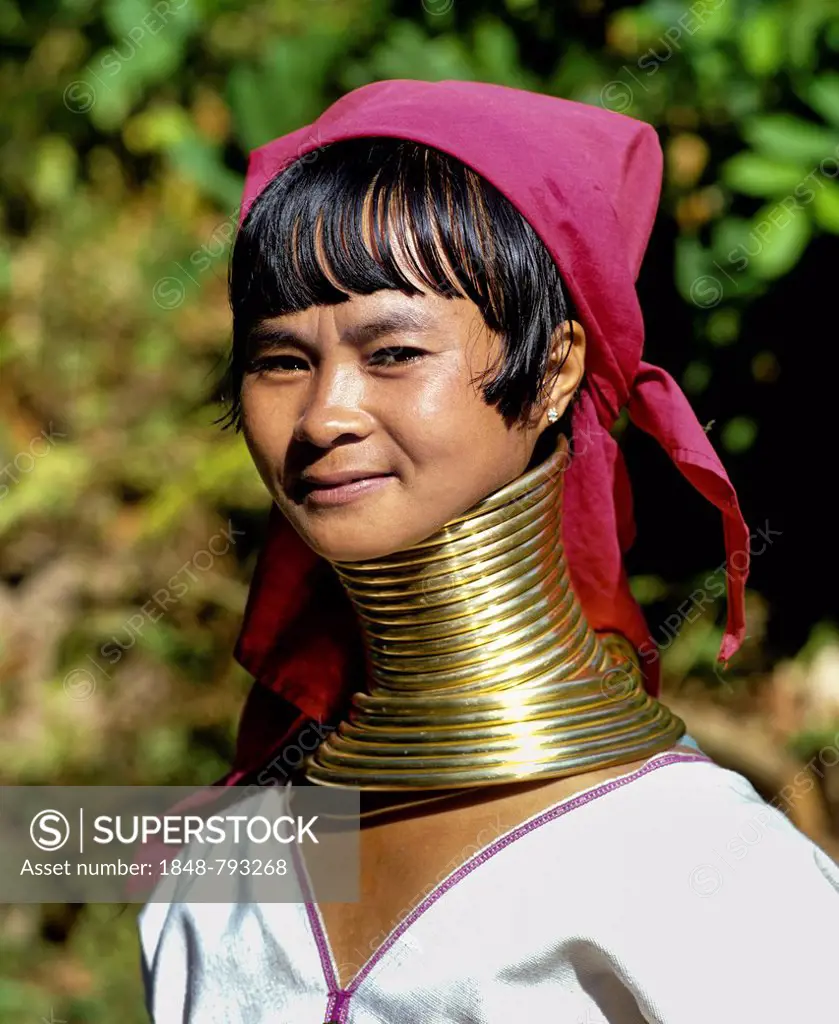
<point>566,364</point>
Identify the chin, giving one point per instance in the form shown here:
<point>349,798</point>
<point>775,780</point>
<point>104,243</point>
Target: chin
<point>355,549</point>
<point>360,545</point>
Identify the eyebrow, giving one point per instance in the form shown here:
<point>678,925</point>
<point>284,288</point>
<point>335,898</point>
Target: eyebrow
<point>265,335</point>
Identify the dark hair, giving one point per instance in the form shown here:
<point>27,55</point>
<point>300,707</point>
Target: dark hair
<point>460,224</point>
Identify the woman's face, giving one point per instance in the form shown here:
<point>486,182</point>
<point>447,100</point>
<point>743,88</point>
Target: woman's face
<point>381,388</point>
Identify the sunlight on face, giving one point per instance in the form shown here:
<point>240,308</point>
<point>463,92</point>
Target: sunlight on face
<point>366,421</point>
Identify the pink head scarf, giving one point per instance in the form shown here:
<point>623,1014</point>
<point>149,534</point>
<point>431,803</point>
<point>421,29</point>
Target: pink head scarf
<point>588,182</point>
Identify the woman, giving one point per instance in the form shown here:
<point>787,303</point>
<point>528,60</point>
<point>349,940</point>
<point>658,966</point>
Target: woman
<point>435,326</point>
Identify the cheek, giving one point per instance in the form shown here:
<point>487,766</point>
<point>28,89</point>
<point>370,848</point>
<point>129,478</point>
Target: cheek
<point>447,395</point>
<point>265,428</point>
<point>455,399</point>
<point>264,413</point>
<point>427,419</point>
<point>444,420</point>
<point>433,400</point>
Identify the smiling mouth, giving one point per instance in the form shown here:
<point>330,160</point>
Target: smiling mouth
<point>312,493</point>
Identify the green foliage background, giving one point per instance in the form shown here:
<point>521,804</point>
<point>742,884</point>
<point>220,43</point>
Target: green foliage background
<point>125,128</point>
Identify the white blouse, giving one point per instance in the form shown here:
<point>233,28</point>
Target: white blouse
<point>672,894</point>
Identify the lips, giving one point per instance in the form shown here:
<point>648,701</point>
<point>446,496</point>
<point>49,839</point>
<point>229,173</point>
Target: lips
<point>339,479</point>
<point>329,483</point>
<point>328,495</point>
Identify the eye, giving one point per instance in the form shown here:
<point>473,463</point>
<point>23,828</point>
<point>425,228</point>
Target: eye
<point>276,364</point>
<point>396,354</point>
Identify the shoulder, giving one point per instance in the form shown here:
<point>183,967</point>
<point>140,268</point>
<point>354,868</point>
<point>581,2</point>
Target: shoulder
<point>715,907</point>
<point>678,814</point>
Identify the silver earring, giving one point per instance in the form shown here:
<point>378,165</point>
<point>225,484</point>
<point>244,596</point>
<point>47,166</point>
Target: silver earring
<point>553,415</point>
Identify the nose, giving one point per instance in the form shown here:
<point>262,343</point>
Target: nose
<point>334,407</point>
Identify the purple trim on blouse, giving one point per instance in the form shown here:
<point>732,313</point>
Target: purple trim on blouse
<point>318,931</point>
<point>338,1007</point>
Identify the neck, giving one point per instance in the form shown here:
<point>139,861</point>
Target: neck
<point>482,668</point>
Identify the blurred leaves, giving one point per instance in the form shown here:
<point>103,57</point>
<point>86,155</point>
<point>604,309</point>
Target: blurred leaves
<point>738,435</point>
<point>822,93</point>
<point>826,207</point>
<point>785,137</point>
<point>761,41</point>
<point>756,175</point>
<point>126,127</point>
